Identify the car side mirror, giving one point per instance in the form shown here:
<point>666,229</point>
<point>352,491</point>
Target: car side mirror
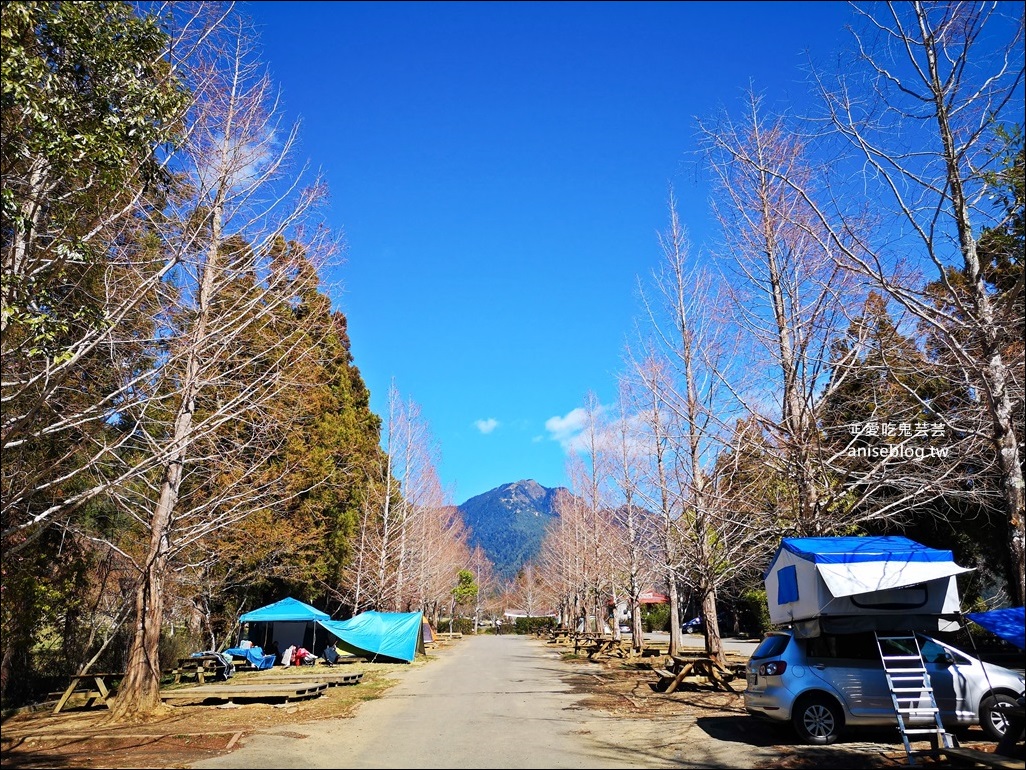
<point>945,659</point>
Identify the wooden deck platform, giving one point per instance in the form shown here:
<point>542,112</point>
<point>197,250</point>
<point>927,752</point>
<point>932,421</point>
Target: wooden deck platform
<point>330,678</point>
<point>289,691</point>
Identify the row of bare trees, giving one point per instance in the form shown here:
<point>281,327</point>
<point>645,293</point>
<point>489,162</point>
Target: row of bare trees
<point>848,357</point>
<point>410,537</point>
<point>184,432</point>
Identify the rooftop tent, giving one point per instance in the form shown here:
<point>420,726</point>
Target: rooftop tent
<point>374,635</point>
<point>848,584</point>
<point>1008,624</point>
<point>287,622</point>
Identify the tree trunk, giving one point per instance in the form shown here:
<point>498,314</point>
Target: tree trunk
<point>139,692</point>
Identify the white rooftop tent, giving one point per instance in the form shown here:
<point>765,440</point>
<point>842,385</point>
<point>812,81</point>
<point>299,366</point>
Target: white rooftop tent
<point>847,584</point>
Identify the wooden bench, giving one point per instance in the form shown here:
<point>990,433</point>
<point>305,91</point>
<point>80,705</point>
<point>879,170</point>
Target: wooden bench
<point>330,678</point>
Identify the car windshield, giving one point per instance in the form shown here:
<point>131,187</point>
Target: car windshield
<point>771,646</point>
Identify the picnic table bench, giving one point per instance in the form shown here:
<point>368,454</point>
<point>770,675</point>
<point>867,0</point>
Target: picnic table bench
<point>694,669</point>
<point>200,666</point>
<point>609,647</point>
<point>586,639</point>
<point>560,636</point>
<point>96,687</point>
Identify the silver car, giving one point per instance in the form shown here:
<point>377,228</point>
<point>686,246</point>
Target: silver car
<point>830,682</point>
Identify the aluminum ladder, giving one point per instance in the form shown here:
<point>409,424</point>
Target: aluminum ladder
<point>911,692</point>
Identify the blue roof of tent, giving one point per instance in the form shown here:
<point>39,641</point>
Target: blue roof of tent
<point>849,550</point>
<point>284,610</point>
<point>380,634</point>
<point>1009,624</point>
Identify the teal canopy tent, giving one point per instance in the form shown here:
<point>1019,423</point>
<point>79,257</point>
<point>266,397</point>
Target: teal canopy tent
<point>287,622</point>
<point>288,609</point>
<point>376,635</point>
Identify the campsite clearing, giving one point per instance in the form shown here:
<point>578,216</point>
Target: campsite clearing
<point>690,721</point>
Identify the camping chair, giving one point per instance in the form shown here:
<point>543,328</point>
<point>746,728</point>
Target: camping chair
<point>330,655</point>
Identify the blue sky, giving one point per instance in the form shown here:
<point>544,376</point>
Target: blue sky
<point>500,171</point>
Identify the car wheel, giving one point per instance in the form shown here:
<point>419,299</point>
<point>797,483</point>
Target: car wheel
<point>992,719</point>
<point>818,720</point>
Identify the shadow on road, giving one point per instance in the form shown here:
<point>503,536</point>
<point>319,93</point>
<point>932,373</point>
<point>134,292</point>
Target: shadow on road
<point>863,749</point>
<point>745,729</point>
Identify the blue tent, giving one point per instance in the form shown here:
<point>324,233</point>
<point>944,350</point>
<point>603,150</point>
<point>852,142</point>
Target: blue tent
<point>1009,624</point>
<point>284,610</point>
<point>288,622</point>
<point>373,635</point>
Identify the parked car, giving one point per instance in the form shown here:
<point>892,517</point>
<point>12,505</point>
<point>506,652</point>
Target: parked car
<point>693,626</point>
<point>829,683</point>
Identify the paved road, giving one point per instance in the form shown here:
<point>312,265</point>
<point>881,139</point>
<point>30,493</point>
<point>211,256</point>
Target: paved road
<point>488,701</point>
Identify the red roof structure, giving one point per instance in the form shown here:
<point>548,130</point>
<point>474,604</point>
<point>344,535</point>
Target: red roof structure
<point>650,596</point>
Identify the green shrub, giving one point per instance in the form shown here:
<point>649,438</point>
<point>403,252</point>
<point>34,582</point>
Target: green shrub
<point>753,613</point>
<point>655,617</point>
<point>534,625</point>
<point>459,625</point>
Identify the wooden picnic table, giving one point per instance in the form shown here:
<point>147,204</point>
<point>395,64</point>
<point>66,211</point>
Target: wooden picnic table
<point>609,647</point>
<point>200,666</point>
<point>695,669</point>
<point>586,639</point>
<point>95,686</point>
<point>560,636</point>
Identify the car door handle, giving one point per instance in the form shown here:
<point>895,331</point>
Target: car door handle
<point>819,666</point>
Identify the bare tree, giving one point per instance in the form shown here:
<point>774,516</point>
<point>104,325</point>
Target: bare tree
<point>588,468</point>
<point>692,338</point>
<point>789,294</point>
<point>634,555</point>
<point>79,279</point>
<point>659,490</point>
<point>411,541</point>
<point>228,349</point>
<point>925,115</point>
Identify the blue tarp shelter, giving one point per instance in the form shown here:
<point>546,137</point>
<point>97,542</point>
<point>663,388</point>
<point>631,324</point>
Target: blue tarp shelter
<point>376,635</point>
<point>253,656</point>
<point>847,584</point>
<point>1009,624</point>
<point>287,622</point>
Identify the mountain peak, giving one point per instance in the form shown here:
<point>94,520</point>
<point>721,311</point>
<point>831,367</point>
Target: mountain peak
<point>510,522</point>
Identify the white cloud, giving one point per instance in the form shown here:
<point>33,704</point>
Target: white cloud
<point>566,429</point>
<point>569,431</point>
<point>486,426</point>
<point>561,428</point>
